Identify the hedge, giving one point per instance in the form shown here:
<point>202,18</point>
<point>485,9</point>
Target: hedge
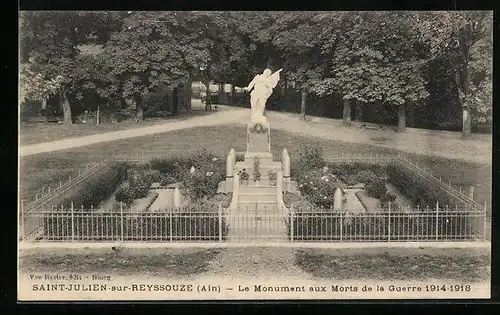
<point>94,189</point>
<point>420,191</point>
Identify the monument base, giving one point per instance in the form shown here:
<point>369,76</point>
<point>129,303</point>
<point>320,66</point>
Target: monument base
<point>258,136</point>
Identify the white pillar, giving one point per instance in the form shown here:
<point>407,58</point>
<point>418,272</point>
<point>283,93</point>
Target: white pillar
<point>279,188</point>
<point>285,161</point>
<point>232,152</point>
<point>229,166</point>
<point>337,200</point>
<point>177,197</point>
<point>471,192</point>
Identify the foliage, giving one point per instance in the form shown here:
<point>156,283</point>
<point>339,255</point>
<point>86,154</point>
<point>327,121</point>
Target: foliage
<point>309,156</point>
<point>244,176</point>
<point>96,188</point>
<point>209,171</point>
<point>256,169</point>
<point>272,175</point>
<point>136,184</point>
<point>300,203</point>
<point>426,59</point>
<point>418,190</point>
<point>202,182</point>
<point>319,186</point>
<point>50,55</point>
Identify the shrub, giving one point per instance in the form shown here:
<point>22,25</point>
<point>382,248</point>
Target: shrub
<point>417,189</point>
<point>244,175</point>
<point>298,203</point>
<point>319,186</point>
<point>376,188</point>
<point>256,170</point>
<point>309,157</point>
<point>97,188</point>
<point>272,175</point>
<point>137,184</point>
<point>209,170</point>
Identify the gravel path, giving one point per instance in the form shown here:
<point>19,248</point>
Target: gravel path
<point>477,149</point>
<point>257,263</point>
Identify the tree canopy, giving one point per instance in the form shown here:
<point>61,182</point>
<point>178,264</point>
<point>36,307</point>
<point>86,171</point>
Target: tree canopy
<point>389,58</point>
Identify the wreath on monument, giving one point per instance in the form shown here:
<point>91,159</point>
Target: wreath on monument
<point>259,128</point>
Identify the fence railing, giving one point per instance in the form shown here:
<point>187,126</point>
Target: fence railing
<point>447,187</point>
<point>417,170</point>
<point>383,226</point>
<point>62,188</point>
<point>90,226</point>
<point>441,224</point>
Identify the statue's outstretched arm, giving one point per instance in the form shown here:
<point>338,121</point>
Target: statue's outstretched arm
<point>251,84</point>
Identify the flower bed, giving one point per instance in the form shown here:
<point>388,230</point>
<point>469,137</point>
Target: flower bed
<point>199,174</point>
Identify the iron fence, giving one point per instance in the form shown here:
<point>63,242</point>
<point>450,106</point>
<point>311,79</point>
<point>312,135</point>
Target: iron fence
<point>384,226</point>
<point>91,226</point>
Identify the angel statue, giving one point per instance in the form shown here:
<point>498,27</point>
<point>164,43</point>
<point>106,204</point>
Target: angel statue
<point>262,85</point>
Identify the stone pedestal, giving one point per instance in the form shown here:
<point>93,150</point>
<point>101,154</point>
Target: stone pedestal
<point>258,137</point>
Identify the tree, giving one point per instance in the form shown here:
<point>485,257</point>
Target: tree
<point>466,39</point>
<point>373,67</point>
<point>49,49</point>
<point>296,35</point>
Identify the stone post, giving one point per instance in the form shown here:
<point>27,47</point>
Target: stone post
<point>471,192</point>
<point>229,167</point>
<point>337,200</point>
<point>279,189</point>
<point>177,197</point>
<point>232,152</point>
<point>285,161</point>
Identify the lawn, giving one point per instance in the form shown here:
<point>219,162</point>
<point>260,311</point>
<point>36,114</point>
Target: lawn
<point>49,168</point>
<point>127,261</point>
<point>460,265</point>
<point>37,132</point>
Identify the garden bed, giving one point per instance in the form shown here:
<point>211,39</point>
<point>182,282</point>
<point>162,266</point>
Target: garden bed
<point>199,219</point>
<point>389,216</point>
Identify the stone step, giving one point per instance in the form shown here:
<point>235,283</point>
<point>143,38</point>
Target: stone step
<point>258,197</point>
<point>264,157</point>
<point>263,182</point>
<point>257,189</point>
<point>259,239</point>
<point>266,164</point>
<point>248,207</point>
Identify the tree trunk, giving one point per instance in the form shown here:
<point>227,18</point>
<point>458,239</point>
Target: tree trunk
<point>139,112</point>
<point>222,94</point>
<point>463,79</point>
<point>466,114</point>
<point>411,115</point>
<point>233,94</point>
<point>66,108</point>
<point>466,122</point>
<point>359,110</point>
<point>346,115</point>
<point>401,118</point>
<point>44,110</point>
<point>303,104</point>
<point>175,101</point>
<point>208,98</point>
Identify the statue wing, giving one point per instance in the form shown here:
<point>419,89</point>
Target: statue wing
<point>274,78</point>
